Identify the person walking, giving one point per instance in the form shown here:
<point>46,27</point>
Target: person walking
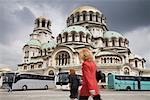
<point>89,82</point>
<point>73,84</point>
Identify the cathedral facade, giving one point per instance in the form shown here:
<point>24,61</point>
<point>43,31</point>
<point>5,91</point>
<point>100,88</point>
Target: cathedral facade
<point>86,28</point>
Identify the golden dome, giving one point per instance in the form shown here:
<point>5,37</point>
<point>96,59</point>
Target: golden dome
<point>85,8</point>
<point>3,69</point>
<point>43,17</point>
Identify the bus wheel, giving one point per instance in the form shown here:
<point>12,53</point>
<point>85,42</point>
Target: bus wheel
<point>128,88</point>
<point>24,88</point>
<point>46,87</point>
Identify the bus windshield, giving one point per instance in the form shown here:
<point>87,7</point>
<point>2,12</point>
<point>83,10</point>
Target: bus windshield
<point>62,79</point>
<point>8,77</point>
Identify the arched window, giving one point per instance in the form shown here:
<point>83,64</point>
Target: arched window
<point>142,64</point>
<point>62,58</point>
<point>106,43</point>
<point>110,60</point>
<point>120,42</point>
<point>45,52</point>
<point>78,17</point>
<point>136,65</point>
<point>126,71</point>
<point>66,37</point>
<point>25,67</point>
<point>104,60</point>
<point>91,15</point>
<point>43,23</point>
<point>97,14</point>
<point>51,72</point>
<point>87,37</point>
<point>60,38</point>
<point>81,36</point>
<point>32,66</point>
<point>84,15</point>
<point>73,37</point>
<point>113,42</point>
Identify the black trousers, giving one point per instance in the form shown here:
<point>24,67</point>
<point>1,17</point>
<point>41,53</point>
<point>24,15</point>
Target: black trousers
<point>97,97</point>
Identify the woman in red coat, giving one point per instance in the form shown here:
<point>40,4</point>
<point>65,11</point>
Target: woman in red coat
<point>89,83</point>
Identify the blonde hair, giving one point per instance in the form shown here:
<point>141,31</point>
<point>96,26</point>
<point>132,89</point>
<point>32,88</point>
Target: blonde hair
<point>72,71</point>
<point>86,55</point>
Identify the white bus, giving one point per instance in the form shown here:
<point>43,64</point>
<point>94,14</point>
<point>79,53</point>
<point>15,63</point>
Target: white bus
<point>62,80</point>
<point>0,81</point>
<point>26,81</point>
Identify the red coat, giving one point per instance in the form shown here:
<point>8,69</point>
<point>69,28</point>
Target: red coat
<point>89,78</point>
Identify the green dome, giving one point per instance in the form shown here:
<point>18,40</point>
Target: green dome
<point>34,42</point>
<point>49,45</point>
<point>132,56</point>
<point>35,33</point>
<point>76,29</point>
<point>111,34</point>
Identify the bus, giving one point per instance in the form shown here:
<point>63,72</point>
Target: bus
<point>24,81</point>
<point>62,80</point>
<point>0,81</point>
<point>123,82</point>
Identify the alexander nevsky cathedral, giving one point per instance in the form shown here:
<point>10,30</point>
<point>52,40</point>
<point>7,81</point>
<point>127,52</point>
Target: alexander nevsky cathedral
<point>86,28</point>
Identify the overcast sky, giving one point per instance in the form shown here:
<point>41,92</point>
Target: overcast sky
<point>129,17</point>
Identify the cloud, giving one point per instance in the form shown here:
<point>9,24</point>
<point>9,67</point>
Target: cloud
<point>17,21</point>
<point>139,40</point>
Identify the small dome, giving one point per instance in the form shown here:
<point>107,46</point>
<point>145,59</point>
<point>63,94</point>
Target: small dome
<point>43,17</point>
<point>5,69</point>
<point>132,56</point>
<point>76,29</point>
<point>51,44</point>
<point>35,32</point>
<point>85,8</point>
<point>34,43</point>
<point>111,34</point>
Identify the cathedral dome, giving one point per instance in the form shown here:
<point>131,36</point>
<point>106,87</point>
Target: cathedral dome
<point>74,34</point>
<point>113,34</point>
<point>50,44</point>
<point>76,29</point>
<point>42,23</point>
<point>34,42</point>
<point>86,15</point>
<point>85,8</point>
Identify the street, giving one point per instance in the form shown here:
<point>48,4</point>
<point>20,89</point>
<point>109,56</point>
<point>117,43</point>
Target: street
<point>64,95</point>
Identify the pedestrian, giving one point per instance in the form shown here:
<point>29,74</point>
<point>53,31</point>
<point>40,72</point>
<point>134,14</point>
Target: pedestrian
<point>73,84</point>
<point>89,82</point>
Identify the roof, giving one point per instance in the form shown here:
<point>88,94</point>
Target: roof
<point>76,29</point>
<point>35,32</point>
<point>85,8</point>
<point>111,34</point>
<point>105,53</point>
<point>34,42</point>
<point>132,56</point>
<point>43,17</point>
<point>51,44</point>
